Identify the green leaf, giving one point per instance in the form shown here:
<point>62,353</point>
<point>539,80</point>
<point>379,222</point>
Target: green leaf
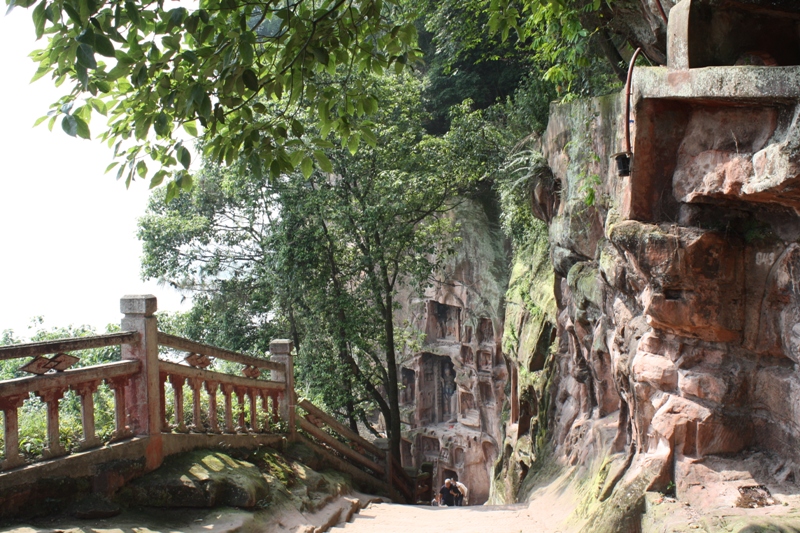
<point>41,71</point>
<point>82,128</point>
<point>85,56</point>
<point>176,17</point>
<point>103,45</point>
<point>320,54</point>
<point>250,80</point>
<point>157,179</point>
<point>70,125</point>
<point>99,106</point>
<point>297,128</point>
<point>323,161</point>
<point>133,13</point>
<point>184,157</point>
<point>40,120</point>
<point>307,166</point>
<point>39,18</point>
<point>352,143</point>
<point>369,136</point>
<point>246,54</point>
<point>161,124</point>
<point>141,169</point>
<point>111,166</point>
<point>190,128</point>
<point>172,191</point>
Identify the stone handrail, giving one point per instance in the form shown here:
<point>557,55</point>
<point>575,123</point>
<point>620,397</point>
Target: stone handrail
<point>35,349</point>
<point>186,345</point>
<point>360,453</point>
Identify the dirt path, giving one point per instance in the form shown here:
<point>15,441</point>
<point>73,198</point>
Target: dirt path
<point>390,518</point>
<point>550,511</point>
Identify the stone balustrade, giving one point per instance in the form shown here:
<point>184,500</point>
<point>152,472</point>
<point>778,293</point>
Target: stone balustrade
<point>250,404</point>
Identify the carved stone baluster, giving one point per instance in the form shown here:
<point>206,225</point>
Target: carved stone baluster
<point>197,415</point>
<point>9,407</point>
<point>177,387</point>
<point>211,389</point>
<point>122,429</point>
<point>251,393</point>
<point>227,390</point>
<point>275,410</point>
<point>242,426</point>
<point>86,392</point>
<point>162,390</point>
<point>54,447</point>
<point>265,407</point>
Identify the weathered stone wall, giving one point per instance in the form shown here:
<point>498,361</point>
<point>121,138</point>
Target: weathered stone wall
<point>677,288</point>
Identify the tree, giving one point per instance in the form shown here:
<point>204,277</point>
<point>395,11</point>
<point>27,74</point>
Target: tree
<point>239,69</point>
<point>326,251</point>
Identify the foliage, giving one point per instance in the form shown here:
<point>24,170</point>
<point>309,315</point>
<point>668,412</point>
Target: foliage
<point>563,37</point>
<point>320,254</point>
<point>242,70</point>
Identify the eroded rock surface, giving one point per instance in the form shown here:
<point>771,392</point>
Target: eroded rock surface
<point>677,316</point>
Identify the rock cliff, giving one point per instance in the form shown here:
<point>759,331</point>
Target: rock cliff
<point>664,355</point>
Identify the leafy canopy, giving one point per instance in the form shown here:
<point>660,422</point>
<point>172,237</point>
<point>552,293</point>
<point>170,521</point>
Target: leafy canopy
<point>234,72</point>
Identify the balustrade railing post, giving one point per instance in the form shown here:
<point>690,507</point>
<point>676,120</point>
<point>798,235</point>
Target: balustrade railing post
<point>227,392</point>
<point>54,448</point>
<point>86,392</point>
<point>251,394</point>
<point>384,445</point>
<point>121,428</point>
<point>197,413</point>
<point>143,401</point>
<point>9,406</point>
<point>211,389</point>
<point>281,352</point>
<point>241,425</point>
<point>177,389</point>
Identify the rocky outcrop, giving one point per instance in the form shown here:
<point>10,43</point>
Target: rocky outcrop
<point>677,342</point>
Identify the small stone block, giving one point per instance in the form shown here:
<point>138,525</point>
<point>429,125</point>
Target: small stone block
<point>198,360</point>
<point>39,365</point>
<point>63,361</point>
<point>280,347</point>
<point>251,372</point>
<point>138,304</point>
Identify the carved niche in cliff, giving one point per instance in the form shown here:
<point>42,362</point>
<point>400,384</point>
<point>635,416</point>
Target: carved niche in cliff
<point>443,322</point>
<point>408,391</point>
<point>437,390</point>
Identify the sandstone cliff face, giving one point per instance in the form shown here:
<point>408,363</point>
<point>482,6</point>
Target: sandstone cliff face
<point>454,375</point>
<point>677,288</point>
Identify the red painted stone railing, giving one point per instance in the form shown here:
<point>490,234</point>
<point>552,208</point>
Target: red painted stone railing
<point>51,388</point>
<point>140,383</point>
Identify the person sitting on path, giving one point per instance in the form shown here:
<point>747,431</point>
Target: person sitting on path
<point>448,493</point>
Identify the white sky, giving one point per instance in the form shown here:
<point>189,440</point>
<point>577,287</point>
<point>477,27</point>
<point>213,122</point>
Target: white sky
<point>68,247</point>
